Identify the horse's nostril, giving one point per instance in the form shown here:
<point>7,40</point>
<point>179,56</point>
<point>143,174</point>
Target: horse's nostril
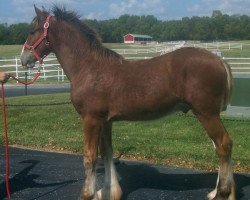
<point>30,65</point>
<point>23,64</point>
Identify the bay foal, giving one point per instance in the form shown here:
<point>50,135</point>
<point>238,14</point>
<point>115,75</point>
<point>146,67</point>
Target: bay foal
<point>105,88</point>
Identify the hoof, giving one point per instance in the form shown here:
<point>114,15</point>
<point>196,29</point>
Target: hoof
<point>89,198</point>
<point>110,195</point>
<point>212,194</point>
<point>221,196</point>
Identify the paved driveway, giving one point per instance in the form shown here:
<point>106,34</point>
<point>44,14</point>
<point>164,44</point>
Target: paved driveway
<point>19,90</point>
<point>56,176</point>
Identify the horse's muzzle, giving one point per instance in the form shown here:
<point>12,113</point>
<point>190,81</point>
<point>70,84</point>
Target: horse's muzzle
<point>27,59</point>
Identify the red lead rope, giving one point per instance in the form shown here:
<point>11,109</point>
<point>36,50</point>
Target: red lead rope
<point>23,82</point>
<point>32,49</point>
<point>7,165</point>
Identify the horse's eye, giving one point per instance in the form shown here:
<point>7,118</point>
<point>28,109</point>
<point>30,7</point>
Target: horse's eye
<point>32,32</point>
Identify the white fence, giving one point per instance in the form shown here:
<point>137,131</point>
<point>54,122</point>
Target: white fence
<point>51,69</point>
<point>218,45</point>
<point>149,49</point>
<point>239,65</point>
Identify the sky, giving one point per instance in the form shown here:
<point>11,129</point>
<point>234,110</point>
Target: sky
<point>16,11</point>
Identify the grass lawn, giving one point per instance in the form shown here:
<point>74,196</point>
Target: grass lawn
<point>9,51</point>
<point>177,139</point>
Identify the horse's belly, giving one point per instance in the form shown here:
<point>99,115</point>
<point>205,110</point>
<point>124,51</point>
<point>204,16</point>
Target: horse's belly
<point>148,113</point>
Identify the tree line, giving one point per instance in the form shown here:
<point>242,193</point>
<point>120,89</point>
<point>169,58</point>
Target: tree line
<point>217,27</point>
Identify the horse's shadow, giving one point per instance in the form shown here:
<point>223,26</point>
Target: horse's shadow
<point>134,177</point>
<point>24,180</point>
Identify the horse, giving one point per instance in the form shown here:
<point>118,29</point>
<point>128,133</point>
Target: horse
<point>106,88</point>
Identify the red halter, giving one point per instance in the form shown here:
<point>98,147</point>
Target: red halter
<point>43,37</point>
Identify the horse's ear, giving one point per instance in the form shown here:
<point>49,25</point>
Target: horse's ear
<point>41,15</point>
<point>44,10</point>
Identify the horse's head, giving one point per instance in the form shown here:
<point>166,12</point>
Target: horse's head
<point>37,46</point>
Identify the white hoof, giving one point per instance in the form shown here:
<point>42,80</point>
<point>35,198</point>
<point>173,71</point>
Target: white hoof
<point>112,195</point>
<point>212,194</point>
<point>232,196</point>
<point>99,194</point>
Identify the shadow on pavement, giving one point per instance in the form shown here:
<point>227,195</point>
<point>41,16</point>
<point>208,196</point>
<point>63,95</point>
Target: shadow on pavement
<point>53,176</point>
<point>23,180</point>
<point>136,179</point>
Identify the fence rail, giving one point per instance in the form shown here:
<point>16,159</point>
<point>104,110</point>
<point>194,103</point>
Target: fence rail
<point>219,45</point>
<point>51,68</point>
<point>239,65</point>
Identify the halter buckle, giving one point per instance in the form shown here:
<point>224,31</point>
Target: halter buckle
<point>46,25</point>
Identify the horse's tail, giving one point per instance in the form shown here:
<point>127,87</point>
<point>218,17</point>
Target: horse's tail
<point>229,89</point>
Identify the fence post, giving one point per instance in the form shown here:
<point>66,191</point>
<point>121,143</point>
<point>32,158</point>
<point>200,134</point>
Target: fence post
<point>58,74</point>
<point>16,67</point>
<point>62,75</point>
<point>44,73</point>
<point>29,77</point>
<point>26,86</point>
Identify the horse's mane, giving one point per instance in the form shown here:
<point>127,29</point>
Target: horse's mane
<point>93,39</point>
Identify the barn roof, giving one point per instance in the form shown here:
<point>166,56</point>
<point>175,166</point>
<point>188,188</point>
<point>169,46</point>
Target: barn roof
<point>139,35</point>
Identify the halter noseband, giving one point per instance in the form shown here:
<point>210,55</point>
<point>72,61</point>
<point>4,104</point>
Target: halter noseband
<point>43,37</point>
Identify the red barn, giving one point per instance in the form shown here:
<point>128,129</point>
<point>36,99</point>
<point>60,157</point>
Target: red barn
<point>136,38</point>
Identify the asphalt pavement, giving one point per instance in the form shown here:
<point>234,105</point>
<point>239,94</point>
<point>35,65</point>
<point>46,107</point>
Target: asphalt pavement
<point>58,176</point>
<point>19,89</point>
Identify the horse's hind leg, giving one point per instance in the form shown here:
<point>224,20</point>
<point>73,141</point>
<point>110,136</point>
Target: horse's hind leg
<point>111,189</point>
<point>225,189</point>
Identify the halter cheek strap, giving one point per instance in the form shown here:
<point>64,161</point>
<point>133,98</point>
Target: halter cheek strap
<point>43,37</point>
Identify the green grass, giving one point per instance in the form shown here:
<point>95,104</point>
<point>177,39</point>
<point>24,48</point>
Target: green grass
<point>244,53</point>
<point>175,140</point>
<point>9,51</point>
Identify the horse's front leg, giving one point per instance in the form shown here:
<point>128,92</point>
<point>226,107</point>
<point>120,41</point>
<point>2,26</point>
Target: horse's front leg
<point>111,189</point>
<point>92,129</point>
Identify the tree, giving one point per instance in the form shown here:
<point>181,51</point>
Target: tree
<point>216,13</point>
<point>19,32</point>
<point>217,27</point>
<point>4,34</point>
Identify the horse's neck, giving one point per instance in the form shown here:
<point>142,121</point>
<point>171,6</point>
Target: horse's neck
<point>72,54</point>
<point>75,55</point>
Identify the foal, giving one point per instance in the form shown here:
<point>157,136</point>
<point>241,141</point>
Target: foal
<point>106,88</point>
